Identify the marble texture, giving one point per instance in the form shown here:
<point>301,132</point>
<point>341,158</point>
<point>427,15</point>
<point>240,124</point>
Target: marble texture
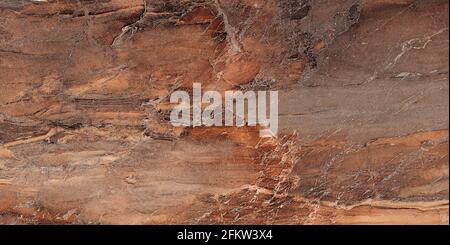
<point>364,112</point>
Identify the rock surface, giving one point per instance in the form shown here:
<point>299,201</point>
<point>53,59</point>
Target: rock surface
<point>364,112</point>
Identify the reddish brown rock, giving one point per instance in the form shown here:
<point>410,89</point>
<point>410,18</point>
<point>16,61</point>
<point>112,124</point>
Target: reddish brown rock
<point>85,136</point>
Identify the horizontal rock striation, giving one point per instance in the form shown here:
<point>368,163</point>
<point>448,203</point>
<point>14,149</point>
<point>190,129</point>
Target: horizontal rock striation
<point>85,136</point>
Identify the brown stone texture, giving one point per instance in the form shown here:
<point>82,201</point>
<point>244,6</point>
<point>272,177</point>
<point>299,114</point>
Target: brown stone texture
<point>364,113</point>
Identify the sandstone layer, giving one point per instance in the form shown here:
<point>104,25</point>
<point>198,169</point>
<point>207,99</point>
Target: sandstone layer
<point>364,113</point>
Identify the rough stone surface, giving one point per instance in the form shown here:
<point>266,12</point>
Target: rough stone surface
<point>364,112</point>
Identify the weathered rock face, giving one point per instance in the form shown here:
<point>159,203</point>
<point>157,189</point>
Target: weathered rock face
<point>85,138</point>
